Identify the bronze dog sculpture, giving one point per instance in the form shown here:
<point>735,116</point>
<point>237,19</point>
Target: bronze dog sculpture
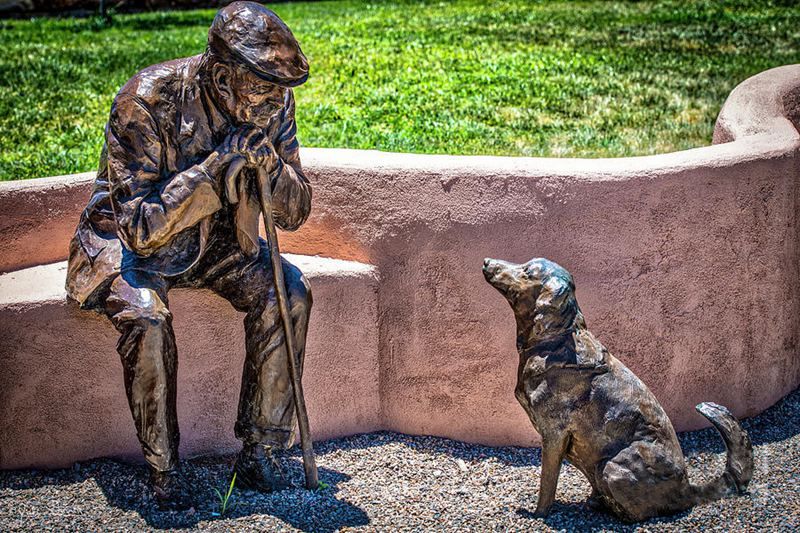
<point>594,412</point>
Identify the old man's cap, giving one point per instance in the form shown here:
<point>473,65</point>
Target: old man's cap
<point>255,37</point>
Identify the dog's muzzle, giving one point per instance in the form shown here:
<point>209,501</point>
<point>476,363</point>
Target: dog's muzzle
<point>490,268</point>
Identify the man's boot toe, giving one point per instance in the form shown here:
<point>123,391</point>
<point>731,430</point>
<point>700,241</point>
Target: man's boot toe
<point>257,469</point>
<point>171,491</point>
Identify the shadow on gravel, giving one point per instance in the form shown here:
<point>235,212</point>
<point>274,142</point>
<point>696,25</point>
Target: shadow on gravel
<point>125,486</point>
<point>572,516</point>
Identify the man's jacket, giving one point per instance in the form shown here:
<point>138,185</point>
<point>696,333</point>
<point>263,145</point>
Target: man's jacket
<point>152,205</point>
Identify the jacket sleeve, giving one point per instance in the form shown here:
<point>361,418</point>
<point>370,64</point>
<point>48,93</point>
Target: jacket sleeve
<point>150,207</point>
<point>291,191</point>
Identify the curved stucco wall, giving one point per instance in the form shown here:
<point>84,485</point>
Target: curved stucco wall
<point>62,394</point>
<point>768,103</point>
<point>686,263</point>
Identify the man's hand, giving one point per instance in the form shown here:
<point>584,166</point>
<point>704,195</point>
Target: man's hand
<point>247,146</point>
<point>255,151</point>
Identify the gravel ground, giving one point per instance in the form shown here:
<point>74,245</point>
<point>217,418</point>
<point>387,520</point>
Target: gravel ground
<point>387,481</point>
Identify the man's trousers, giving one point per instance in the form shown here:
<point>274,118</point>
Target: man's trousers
<point>138,307</point>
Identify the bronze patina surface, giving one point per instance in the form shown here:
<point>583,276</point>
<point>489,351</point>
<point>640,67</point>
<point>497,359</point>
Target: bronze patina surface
<point>593,411</point>
<point>176,203</point>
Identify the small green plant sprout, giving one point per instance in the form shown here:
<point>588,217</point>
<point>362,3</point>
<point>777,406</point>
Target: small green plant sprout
<point>224,500</point>
<point>321,485</point>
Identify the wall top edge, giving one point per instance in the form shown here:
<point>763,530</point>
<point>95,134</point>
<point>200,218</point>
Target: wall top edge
<point>756,147</point>
<point>319,160</point>
<point>50,182</point>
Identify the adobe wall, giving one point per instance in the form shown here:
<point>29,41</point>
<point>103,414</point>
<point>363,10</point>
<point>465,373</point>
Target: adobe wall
<point>686,263</point>
<point>62,397</point>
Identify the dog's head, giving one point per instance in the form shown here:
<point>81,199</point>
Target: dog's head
<point>541,293</point>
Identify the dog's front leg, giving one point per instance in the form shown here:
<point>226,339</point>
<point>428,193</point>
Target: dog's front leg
<point>553,449</point>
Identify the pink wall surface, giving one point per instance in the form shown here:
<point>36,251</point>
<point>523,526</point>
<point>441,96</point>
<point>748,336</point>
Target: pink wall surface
<point>62,397</point>
<point>686,263</point>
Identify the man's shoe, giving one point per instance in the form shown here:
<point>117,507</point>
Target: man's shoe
<point>171,491</point>
<point>257,469</point>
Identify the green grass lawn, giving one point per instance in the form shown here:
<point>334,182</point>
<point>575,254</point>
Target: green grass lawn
<point>588,79</point>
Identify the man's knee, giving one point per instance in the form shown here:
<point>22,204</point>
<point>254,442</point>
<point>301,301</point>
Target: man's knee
<point>298,292</point>
<point>142,307</point>
<point>141,327</point>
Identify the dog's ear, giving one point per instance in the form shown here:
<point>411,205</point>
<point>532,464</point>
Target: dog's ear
<point>556,306</point>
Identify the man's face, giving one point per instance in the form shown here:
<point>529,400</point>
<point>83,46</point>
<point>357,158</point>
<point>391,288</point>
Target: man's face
<point>252,99</point>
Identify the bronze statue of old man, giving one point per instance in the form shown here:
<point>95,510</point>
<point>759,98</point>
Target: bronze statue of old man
<point>175,204</point>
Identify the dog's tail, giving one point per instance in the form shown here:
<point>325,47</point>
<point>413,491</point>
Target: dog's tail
<point>739,468</point>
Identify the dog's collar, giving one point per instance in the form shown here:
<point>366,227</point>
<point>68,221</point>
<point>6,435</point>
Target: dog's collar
<point>549,345</point>
<point>559,351</point>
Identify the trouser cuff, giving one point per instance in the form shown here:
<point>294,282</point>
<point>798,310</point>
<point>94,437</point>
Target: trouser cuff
<point>275,437</point>
<point>161,463</point>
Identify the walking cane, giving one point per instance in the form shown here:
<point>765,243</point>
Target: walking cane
<point>265,197</point>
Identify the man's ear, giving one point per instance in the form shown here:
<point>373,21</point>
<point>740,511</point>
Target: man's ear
<point>222,76</point>
<point>555,307</point>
